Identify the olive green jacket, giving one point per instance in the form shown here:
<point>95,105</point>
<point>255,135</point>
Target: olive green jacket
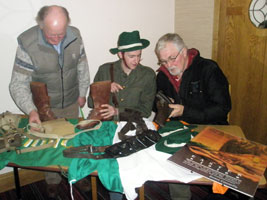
<point>139,87</point>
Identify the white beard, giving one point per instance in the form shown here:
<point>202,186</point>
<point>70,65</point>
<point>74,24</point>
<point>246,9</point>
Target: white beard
<point>175,71</point>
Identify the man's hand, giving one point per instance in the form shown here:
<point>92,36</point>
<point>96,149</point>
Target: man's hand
<point>34,117</point>
<point>177,110</point>
<point>115,87</point>
<point>108,111</point>
<point>81,101</point>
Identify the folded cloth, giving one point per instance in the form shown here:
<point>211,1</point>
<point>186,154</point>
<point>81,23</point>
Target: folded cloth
<point>148,164</point>
<point>174,136</point>
<point>107,169</point>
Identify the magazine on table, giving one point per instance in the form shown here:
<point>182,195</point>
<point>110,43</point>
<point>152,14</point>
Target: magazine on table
<point>232,161</point>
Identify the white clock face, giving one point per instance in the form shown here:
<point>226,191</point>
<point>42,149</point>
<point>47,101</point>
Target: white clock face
<point>258,13</point>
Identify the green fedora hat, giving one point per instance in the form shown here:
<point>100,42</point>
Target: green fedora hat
<point>130,41</point>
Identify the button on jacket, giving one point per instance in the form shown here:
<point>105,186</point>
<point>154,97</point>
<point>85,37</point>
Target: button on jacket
<point>203,92</point>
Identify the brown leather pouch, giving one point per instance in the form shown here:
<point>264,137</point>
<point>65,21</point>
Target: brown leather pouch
<point>163,109</point>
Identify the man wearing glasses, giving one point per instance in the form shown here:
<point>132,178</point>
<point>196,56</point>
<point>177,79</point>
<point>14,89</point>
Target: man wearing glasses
<point>197,87</point>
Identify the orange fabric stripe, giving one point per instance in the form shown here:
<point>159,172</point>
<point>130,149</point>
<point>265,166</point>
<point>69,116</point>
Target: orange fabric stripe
<point>218,188</point>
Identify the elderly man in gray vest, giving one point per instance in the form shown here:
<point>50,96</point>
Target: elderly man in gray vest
<point>52,53</point>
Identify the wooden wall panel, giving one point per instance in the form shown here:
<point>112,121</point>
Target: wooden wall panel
<point>240,49</point>
<point>262,119</point>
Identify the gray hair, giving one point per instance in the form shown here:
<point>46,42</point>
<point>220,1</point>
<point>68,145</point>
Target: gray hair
<point>172,38</point>
<point>44,11</point>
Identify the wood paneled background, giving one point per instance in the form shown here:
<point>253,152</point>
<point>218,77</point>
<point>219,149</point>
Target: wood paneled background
<point>240,50</point>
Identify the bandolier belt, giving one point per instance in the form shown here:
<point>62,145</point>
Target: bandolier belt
<point>121,149</point>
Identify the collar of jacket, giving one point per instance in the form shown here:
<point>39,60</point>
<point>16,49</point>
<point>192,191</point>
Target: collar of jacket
<point>192,53</point>
<point>69,37</point>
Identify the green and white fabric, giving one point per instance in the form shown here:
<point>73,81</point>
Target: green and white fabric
<point>174,136</point>
<point>119,175</point>
<point>151,164</point>
<point>107,169</point>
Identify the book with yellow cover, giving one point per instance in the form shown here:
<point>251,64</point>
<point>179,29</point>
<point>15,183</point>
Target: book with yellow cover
<point>232,161</point>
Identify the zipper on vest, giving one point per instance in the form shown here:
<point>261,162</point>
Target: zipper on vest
<point>61,63</point>
<point>62,86</point>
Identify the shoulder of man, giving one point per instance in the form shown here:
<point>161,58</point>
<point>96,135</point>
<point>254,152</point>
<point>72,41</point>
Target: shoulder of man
<point>147,70</point>
<point>205,67</point>
<point>75,30</point>
<point>107,65</point>
<point>205,62</point>
<point>29,36</point>
<point>162,78</point>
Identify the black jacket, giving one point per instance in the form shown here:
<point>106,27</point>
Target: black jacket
<point>204,92</point>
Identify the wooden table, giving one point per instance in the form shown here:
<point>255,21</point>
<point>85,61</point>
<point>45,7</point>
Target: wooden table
<point>231,129</point>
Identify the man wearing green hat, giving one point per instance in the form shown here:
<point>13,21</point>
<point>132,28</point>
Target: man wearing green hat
<point>133,84</point>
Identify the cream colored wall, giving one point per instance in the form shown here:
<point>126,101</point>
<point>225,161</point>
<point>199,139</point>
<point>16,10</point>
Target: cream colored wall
<point>194,23</point>
<point>100,23</point>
